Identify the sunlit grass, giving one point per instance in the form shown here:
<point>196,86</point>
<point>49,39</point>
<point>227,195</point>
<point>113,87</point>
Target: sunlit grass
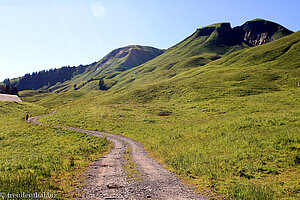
<point>36,158</point>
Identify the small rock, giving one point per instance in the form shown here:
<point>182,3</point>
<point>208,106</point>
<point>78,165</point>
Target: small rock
<point>113,186</point>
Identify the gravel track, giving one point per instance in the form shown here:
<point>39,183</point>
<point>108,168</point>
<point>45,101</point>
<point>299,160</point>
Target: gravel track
<point>107,178</point>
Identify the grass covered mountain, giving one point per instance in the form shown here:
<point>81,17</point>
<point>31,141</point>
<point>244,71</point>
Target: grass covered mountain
<point>114,63</point>
<point>125,58</point>
<point>268,68</point>
<point>203,46</point>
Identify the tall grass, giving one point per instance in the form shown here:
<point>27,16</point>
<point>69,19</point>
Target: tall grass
<point>251,192</point>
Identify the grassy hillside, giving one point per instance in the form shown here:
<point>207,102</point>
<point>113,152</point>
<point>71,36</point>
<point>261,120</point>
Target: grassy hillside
<point>204,46</point>
<point>267,68</point>
<point>40,159</point>
<point>231,126</point>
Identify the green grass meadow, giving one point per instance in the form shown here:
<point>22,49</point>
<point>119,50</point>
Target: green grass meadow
<point>37,158</point>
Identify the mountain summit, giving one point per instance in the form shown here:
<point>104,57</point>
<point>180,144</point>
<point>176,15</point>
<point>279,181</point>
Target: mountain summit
<point>116,62</point>
<point>251,33</point>
<point>125,58</point>
<point>259,31</point>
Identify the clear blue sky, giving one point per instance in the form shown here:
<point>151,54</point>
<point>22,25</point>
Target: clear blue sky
<point>44,34</point>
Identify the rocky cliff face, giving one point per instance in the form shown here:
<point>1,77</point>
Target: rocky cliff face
<point>258,32</point>
<point>252,33</point>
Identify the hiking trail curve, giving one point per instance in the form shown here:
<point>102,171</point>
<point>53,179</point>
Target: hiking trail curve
<point>108,178</point>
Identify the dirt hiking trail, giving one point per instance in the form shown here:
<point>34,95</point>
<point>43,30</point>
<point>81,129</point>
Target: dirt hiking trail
<point>128,172</point>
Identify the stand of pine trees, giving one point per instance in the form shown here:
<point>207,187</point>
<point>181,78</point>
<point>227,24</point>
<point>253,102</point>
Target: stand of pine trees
<point>8,90</point>
<point>45,79</point>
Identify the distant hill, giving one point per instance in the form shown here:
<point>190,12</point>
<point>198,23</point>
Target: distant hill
<point>125,58</point>
<point>112,64</point>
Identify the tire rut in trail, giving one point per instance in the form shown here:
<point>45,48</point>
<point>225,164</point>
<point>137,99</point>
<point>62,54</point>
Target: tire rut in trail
<point>108,178</point>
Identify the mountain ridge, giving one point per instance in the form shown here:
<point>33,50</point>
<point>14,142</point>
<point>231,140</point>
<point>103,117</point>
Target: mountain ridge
<point>206,44</point>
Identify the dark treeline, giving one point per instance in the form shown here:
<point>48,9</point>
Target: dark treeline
<point>7,89</point>
<point>45,79</point>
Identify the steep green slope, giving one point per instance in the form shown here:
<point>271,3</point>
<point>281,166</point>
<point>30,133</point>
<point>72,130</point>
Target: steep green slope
<point>267,68</point>
<point>205,45</point>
